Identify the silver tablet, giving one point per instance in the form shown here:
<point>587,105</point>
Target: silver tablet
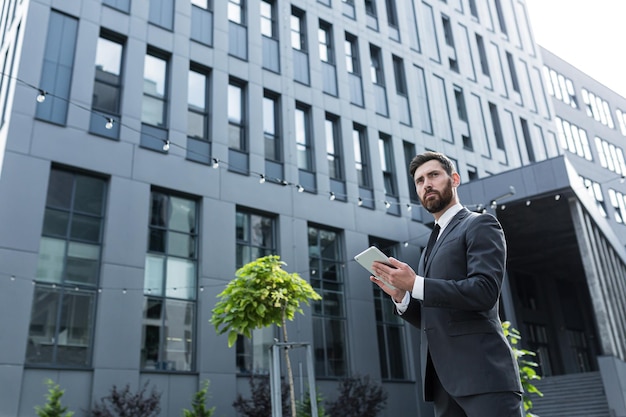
<point>367,258</point>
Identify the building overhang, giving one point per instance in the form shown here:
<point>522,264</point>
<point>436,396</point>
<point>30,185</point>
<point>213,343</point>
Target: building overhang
<point>557,236</point>
<point>537,216</point>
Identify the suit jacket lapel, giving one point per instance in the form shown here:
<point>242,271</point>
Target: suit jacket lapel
<point>449,228</point>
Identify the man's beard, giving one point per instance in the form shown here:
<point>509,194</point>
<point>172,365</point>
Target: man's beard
<point>443,199</point>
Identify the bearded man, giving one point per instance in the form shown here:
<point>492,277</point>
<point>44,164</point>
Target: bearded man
<point>468,368</point>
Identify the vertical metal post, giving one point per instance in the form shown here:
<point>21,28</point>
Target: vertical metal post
<point>277,409</point>
<point>275,380</point>
<point>310,371</point>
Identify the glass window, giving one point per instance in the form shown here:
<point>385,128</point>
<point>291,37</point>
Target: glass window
<point>409,153</point>
<point>398,69</point>
<point>333,147</point>
<point>236,116</point>
<point>107,89</point>
<point>392,15</point>
<point>268,23</point>
<point>198,113</point>
<point>497,126</point>
<point>352,54</point>
<point>236,11</point>
<point>168,334</point>
<point>170,282</point>
<point>389,327</point>
<point>107,86</point>
<point>63,311</point>
<point>361,156</point>
<point>203,4</point>
<point>325,43</point>
<point>298,30</point>
<point>597,108</point>
<point>447,31</point>
<point>376,68</point>
<point>618,201</point>
<point>501,19</point>
<point>473,8</point>
<point>58,66</point>
<point>271,127</point>
<point>513,71</point>
<point>329,315</point>
<point>574,139</point>
<point>611,156</point>
<point>256,237</point>
<point>482,53</point>
<point>303,139</point>
<point>386,164</point>
<point>154,91</point>
<point>460,104</point>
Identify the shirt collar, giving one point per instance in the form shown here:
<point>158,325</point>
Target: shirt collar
<point>447,216</point>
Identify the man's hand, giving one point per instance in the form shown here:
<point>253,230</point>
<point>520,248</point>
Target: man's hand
<point>400,275</point>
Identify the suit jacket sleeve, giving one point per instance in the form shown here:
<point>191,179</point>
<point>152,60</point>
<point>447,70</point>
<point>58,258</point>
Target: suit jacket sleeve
<point>469,267</point>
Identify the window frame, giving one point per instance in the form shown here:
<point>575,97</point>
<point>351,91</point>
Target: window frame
<point>64,211</point>
<point>168,292</point>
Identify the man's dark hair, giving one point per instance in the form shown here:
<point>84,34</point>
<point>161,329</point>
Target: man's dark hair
<point>422,158</point>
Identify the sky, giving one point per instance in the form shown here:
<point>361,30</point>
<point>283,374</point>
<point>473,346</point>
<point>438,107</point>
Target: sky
<point>588,34</point>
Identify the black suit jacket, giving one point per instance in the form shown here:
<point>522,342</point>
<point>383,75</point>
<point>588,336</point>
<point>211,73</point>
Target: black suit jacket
<point>461,329</point>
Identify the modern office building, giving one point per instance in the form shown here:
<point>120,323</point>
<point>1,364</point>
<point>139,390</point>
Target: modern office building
<point>567,264</point>
<point>150,148</point>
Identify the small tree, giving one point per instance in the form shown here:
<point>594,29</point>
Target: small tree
<point>262,294</point>
<point>527,372</point>
<point>53,407</point>
<point>358,397</point>
<point>123,403</point>
<point>198,404</point>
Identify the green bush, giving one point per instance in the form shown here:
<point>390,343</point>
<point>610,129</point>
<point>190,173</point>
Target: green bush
<point>53,407</point>
<point>304,406</point>
<point>198,404</point>
<point>527,367</point>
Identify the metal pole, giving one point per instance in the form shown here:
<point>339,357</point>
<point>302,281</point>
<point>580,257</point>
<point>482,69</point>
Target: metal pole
<point>311,372</point>
<point>277,409</point>
<point>275,381</point>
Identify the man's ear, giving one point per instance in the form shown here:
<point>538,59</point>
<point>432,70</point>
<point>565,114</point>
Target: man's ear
<point>456,179</point>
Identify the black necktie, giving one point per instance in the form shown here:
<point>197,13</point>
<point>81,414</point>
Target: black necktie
<point>431,241</point>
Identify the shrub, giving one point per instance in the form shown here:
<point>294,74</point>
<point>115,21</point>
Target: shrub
<point>304,407</point>
<point>527,372</point>
<point>53,407</point>
<point>358,397</point>
<point>198,408</point>
<point>260,405</point>
<point>123,403</point>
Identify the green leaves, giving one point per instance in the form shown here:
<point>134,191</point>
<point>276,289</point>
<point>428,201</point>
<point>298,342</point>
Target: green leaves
<point>198,404</point>
<point>527,371</point>
<point>261,294</point>
<point>53,407</point>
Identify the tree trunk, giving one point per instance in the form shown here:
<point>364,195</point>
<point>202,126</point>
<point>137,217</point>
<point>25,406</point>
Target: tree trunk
<point>292,394</point>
